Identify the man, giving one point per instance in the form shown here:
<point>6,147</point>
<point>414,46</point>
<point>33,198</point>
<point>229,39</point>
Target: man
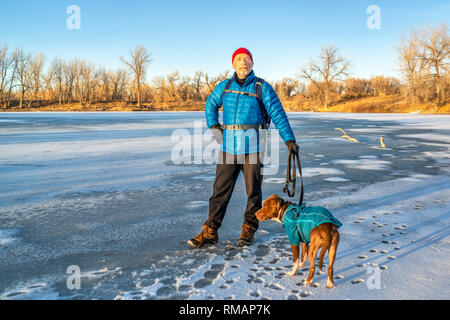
<point>243,118</point>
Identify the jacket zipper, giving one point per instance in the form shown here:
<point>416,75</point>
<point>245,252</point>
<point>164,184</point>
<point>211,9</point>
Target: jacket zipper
<point>234,131</point>
<point>235,114</point>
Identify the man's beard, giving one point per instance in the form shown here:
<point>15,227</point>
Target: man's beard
<point>243,74</point>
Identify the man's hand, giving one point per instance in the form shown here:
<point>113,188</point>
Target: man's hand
<point>217,131</point>
<point>292,146</point>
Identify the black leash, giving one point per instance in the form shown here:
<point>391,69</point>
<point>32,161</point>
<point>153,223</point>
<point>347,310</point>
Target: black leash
<point>292,156</point>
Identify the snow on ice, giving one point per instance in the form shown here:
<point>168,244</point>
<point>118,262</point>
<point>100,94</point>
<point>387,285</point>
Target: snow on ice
<point>99,191</point>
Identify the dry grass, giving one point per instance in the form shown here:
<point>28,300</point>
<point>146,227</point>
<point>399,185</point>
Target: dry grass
<point>387,104</point>
<point>377,104</point>
<point>113,106</point>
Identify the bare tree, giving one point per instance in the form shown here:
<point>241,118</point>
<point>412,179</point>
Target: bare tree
<point>356,88</point>
<point>412,62</point>
<point>105,84</point>
<point>88,82</point>
<point>137,62</point>
<point>424,62</point>
<point>75,68</point>
<point>381,85</point>
<point>57,76</point>
<point>34,76</point>
<point>119,82</point>
<point>330,68</point>
<point>71,79</point>
<point>197,85</point>
<point>148,94</point>
<point>211,83</point>
<point>172,87</point>
<point>47,81</point>
<point>288,87</point>
<point>161,88</point>
<point>172,79</point>
<point>6,78</point>
<point>436,45</point>
<point>184,90</point>
<point>21,64</point>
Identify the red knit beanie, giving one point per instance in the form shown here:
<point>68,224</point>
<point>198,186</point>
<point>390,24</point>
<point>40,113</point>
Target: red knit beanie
<point>241,50</point>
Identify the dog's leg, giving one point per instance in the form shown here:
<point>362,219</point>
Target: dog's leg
<point>312,253</point>
<point>304,254</point>
<point>295,253</point>
<point>326,242</point>
<point>331,256</point>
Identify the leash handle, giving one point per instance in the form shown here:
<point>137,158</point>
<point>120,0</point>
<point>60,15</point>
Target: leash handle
<point>292,157</point>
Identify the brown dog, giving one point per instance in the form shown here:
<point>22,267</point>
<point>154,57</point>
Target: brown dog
<point>325,236</point>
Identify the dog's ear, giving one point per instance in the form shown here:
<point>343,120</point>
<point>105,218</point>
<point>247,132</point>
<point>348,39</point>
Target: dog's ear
<point>278,201</point>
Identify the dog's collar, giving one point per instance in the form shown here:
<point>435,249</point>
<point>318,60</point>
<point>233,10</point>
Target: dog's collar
<point>280,213</point>
<point>282,210</point>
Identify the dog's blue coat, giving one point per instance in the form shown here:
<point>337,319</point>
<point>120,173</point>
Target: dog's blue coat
<point>298,221</point>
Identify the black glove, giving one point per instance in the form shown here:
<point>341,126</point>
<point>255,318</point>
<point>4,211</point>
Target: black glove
<point>292,146</point>
<point>217,131</point>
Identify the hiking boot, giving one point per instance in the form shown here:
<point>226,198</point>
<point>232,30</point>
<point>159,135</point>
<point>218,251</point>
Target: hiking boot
<point>206,236</point>
<point>247,235</point>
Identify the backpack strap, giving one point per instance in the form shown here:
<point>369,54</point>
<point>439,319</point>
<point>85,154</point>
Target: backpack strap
<point>227,86</point>
<point>258,89</point>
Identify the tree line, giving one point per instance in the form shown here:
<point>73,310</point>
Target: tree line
<point>27,79</point>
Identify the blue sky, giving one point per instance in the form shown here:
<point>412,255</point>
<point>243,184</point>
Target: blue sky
<point>194,35</point>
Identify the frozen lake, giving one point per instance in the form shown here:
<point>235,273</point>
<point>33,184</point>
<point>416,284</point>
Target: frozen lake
<point>100,191</point>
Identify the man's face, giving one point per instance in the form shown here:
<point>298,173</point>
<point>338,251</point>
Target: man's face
<point>243,65</point>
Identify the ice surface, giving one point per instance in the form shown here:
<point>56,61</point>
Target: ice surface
<point>99,191</point>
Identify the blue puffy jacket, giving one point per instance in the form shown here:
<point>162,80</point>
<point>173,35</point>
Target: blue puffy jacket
<point>243,109</point>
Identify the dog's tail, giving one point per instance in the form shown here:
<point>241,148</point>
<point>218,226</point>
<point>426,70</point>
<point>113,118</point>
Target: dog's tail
<point>335,237</point>
<point>333,230</point>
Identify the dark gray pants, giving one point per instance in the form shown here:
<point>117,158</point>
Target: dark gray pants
<point>227,171</point>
